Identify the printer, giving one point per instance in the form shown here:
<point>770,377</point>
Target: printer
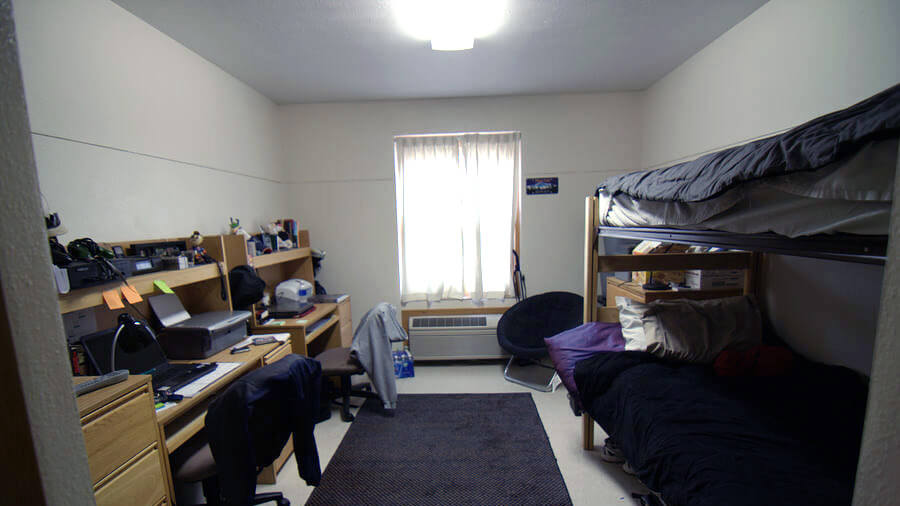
<point>186,337</point>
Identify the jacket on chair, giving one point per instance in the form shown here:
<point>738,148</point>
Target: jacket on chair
<point>249,424</point>
<point>372,347</point>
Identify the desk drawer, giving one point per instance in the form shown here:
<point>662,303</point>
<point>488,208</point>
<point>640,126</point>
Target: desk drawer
<point>118,431</point>
<point>277,354</point>
<point>140,483</point>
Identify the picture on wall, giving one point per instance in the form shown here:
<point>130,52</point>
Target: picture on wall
<point>541,185</point>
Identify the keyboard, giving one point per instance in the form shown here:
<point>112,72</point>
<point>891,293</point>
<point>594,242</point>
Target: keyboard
<point>175,376</point>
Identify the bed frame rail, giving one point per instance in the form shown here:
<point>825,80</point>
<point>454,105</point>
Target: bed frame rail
<point>865,249</point>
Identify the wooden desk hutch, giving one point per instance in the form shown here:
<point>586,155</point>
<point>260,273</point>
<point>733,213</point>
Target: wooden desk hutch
<point>128,441</point>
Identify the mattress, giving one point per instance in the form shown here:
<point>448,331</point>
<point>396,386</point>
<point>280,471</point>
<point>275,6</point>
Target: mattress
<point>851,195</point>
<point>703,440</point>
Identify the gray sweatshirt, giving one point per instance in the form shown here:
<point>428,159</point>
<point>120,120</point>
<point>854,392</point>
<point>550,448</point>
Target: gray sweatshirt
<point>372,347</point>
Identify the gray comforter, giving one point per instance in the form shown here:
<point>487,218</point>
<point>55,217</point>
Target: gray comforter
<point>807,147</point>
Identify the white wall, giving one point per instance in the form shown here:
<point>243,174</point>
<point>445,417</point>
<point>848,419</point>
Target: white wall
<point>788,62</point>
<point>341,169</point>
<point>136,136</point>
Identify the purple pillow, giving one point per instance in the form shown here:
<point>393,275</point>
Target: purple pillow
<point>567,348</point>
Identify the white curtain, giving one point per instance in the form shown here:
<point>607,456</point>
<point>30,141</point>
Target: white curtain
<point>457,202</point>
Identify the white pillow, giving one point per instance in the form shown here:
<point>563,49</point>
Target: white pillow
<point>690,330</point>
<point>631,316</point>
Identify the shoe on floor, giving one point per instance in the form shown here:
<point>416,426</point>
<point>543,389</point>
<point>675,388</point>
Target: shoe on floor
<point>609,452</point>
<point>628,469</point>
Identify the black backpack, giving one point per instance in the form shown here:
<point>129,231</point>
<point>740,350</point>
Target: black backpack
<point>246,287</point>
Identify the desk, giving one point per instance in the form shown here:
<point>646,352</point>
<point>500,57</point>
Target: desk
<point>306,343</point>
<point>184,420</point>
<point>126,457</point>
<point>125,437</point>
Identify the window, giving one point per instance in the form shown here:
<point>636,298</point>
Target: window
<point>457,214</point>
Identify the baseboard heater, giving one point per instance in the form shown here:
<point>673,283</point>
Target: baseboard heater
<point>463,337</point>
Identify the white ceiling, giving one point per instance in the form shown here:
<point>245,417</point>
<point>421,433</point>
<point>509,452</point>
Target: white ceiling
<point>298,51</point>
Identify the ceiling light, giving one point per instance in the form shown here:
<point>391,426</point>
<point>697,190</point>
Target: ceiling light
<point>450,25</point>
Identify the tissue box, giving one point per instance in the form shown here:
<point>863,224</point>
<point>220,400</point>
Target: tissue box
<point>714,279</point>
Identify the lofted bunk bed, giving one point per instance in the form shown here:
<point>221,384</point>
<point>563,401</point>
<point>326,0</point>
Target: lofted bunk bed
<point>823,189</point>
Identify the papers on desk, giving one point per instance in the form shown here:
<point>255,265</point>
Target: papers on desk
<point>281,338</point>
<point>194,387</point>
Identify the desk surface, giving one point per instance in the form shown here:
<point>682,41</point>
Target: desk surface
<point>249,361</point>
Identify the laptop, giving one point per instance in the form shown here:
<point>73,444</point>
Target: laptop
<point>143,356</point>
<point>290,309</point>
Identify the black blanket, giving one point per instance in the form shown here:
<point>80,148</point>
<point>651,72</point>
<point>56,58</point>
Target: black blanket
<point>700,439</point>
<point>806,147</point>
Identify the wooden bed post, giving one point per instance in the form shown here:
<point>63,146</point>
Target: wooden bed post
<point>590,259</point>
<point>590,294</point>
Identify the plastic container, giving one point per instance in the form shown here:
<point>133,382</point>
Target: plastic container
<point>406,365</point>
<point>398,363</point>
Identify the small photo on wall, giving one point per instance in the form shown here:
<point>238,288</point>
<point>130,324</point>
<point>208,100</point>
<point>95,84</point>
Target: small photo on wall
<point>541,185</point>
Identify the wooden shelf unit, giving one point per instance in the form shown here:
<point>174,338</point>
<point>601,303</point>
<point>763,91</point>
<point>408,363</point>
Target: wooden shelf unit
<point>273,268</point>
<point>294,263</point>
<point>632,290</point>
<point>93,296</point>
<point>280,257</point>
<point>199,287</point>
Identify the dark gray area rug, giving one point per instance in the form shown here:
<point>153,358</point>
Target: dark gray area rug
<point>445,449</point>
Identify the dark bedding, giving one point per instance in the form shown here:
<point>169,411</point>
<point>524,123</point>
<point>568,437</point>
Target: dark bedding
<point>699,439</point>
<point>807,147</point>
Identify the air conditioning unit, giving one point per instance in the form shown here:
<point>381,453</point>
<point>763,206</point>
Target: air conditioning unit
<point>463,337</point>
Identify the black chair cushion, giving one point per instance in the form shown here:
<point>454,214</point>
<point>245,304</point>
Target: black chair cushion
<point>523,327</point>
<point>338,362</point>
<point>199,466</point>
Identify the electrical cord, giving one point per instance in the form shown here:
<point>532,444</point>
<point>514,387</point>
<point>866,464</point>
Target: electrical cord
<point>208,259</point>
<point>112,351</point>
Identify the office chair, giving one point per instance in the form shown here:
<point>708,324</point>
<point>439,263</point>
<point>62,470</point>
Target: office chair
<point>248,425</point>
<point>338,362</point>
<point>521,332</point>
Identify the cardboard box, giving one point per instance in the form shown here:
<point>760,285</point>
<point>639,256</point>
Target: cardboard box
<point>714,279</point>
<point>654,248</point>
<point>671,277</point>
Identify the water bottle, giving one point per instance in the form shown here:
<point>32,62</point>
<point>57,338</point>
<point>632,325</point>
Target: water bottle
<point>407,361</point>
<point>398,364</point>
